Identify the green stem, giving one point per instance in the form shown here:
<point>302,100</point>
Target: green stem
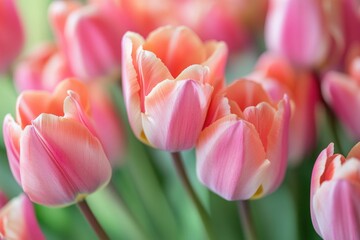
<point>117,196</point>
<point>189,189</point>
<point>90,217</point>
<point>246,220</point>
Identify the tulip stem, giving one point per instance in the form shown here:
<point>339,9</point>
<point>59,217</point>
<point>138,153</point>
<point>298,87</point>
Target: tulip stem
<point>90,217</point>
<point>189,189</point>
<point>246,220</point>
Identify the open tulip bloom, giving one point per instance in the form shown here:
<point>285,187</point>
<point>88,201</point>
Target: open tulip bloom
<point>168,82</point>
<point>53,152</point>
<point>242,152</point>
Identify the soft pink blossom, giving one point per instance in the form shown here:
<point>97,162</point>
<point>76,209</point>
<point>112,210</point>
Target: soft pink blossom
<point>242,153</point>
<point>18,220</point>
<point>168,81</point>
<point>335,193</point>
<point>54,131</point>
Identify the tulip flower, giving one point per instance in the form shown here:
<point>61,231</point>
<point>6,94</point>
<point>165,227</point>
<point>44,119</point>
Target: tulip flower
<point>18,220</point>
<point>341,91</point>
<point>88,38</point>
<point>11,34</point>
<point>335,194</point>
<point>295,29</point>
<point>54,131</point>
<point>168,81</point>
<point>242,152</point>
<point>42,69</point>
<point>279,77</point>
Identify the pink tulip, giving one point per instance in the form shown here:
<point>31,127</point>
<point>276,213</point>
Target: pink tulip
<point>11,34</point>
<point>214,20</point>
<point>242,153</point>
<point>341,91</point>
<point>18,220</point>
<point>47,128</point>
<point>279,77</point>
<point>88,38</point>
<point>296,30</point>
<point>335,194</point>
<point>42,69</point>
<point>168,81</point>
<point>45,67</point>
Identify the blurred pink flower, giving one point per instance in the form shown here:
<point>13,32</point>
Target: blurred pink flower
<point>296,30</point>
<point>47,128</point>
<point>11,34</point>
<point>42,69</point>
<point>335,194</point>
<point>88,38</point>
<point>242,153</point>
<point>168,81</point>
<point>341,92</point>
<point>279,77</point>
<point>18,220</point>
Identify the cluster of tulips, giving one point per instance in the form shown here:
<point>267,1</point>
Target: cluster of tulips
<point>169,59</point>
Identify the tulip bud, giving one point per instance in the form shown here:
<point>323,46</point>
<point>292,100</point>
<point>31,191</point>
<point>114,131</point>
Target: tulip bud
<point>47,128</point>
<point>18,220</point>
<point>42,69</point>
<point>11,34</point>
<point>88,38</point>
<point>295,29</point>
<point>242,152</point>
<point>335,194</point>
<point>168,80</point>
<point>341,92</point>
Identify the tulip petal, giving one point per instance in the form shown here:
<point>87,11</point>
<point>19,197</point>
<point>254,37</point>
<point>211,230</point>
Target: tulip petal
<point>340,90</point>
<point>18,220</point>
<point>151,71</point>
<point>277,146</point>
<point>31,104</point>
<point>131,87</point>
<point>354,152</point>
<point>177,47</point>
<point>175,112</point>
<point>317,172</point>
<point>12,133</point>
<point>66,172</point>
<point>231,160</point>
<point>337,210</point>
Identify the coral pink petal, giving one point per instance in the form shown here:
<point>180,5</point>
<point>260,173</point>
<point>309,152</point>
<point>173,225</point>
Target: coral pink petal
<point>31,104</point>
<point>246,93</point>
<point>354,152</point>
<point>277,146</point>
<point>12,133</point>
<point>151,71</point>
<point>177,47</point>
<point>131,87</point>
<point>67,173</point>
<point>231,160</point>
<point>175,113</point>
<point>318,171</point>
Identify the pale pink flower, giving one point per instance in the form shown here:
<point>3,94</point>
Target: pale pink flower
<point>18,220</point>
<point>168,81</point>
<point>54,131</point>
<point>242,153</point>
<point>335,194</point>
